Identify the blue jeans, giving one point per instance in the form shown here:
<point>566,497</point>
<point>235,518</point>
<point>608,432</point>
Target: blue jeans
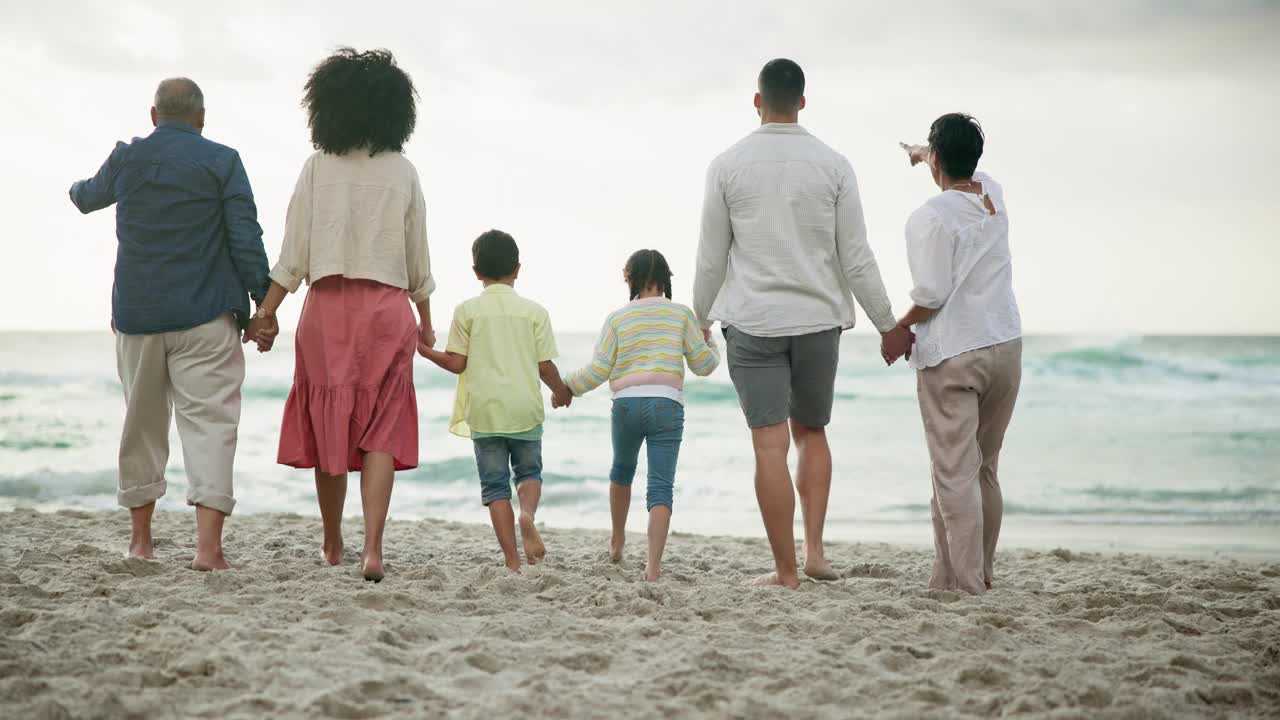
<point>658,422</point>
<point>498,458</point>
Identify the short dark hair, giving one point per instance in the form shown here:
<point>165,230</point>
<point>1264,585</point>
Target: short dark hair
<point>495,254</point>
<point>957,139</point>
<point>781,85</point>
<point>360,100</point>
<point>647,268</point>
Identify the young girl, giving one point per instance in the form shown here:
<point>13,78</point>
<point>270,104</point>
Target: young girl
<point>642,351</point>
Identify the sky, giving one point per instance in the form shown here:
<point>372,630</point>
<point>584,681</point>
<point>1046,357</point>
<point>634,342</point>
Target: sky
<point>1135,139</point>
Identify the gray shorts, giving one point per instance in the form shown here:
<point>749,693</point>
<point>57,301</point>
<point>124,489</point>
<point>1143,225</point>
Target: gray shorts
<point>784,377</point>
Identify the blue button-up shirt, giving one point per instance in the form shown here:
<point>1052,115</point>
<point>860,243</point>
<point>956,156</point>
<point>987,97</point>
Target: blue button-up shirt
<point>190,247</point>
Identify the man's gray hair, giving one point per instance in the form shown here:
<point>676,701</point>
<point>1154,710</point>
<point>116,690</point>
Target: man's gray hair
<point>178,97</point>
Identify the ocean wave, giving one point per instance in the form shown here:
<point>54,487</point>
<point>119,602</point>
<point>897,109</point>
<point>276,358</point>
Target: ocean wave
<point>47,484</point>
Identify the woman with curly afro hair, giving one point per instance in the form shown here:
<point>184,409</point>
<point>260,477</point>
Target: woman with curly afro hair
<point>356,233</point>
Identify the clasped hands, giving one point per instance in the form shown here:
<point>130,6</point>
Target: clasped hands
<point>263,331</point>
<point>896,343</point>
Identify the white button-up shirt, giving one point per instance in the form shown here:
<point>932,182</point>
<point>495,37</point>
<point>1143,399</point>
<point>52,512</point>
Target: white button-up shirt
<point>359,217</point>
<point>960,264</point>
<point>784,247</point>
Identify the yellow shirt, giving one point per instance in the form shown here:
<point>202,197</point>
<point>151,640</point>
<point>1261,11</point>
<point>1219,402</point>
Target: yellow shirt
<point>504,337</point>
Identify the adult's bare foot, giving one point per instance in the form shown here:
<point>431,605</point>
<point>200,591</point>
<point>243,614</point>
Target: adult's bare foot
<point>331,554</point>
<point>204,562</point>
<point>141,549</point>
<point>514,566</point>
<point>819,568</point>
<point>615,549</point>
<point>371,568</point>
<point>534,550</point>
<point>772,580</point>
<point>651,574</point>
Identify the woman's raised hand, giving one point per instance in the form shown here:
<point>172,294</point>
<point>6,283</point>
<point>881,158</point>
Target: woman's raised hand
<point>916,153</point>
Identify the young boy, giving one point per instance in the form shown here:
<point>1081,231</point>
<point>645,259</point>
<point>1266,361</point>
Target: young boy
<point>500,346</point>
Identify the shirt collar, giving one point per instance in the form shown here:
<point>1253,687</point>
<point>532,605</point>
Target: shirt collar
<point>783,129</point>
<point>649,300</point>
<point>500,289</point>
<point>176,125</point>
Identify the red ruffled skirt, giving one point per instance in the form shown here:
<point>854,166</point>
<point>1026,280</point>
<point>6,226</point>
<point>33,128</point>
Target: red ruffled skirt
<point>353,378</point>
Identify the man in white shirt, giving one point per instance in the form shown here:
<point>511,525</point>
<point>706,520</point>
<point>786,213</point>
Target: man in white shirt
<point>782,255</point>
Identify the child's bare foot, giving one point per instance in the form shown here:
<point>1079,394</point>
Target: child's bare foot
<point>651,574</point>
<point>819,568</point>
<point>615,549</point>
<point>534,550</point>
<point>212,560</point>
<point>772,579</point>
<point>141,548</point>
<point>331,554</point>
<point>514,565</point>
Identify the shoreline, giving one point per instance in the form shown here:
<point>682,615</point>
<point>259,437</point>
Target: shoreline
<point>88,633</point>
<point>1192,541</point>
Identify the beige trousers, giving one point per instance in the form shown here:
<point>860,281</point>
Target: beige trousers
<point>198,373</point>
<point>966,403</point>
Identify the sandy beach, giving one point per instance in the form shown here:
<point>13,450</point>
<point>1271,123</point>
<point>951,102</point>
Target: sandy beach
<point>86,633</point>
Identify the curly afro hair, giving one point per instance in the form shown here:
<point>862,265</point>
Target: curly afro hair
<point>360,100</point>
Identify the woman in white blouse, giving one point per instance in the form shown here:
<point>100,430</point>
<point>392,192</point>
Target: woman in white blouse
<point>356,233</point>
<point>968,347</point>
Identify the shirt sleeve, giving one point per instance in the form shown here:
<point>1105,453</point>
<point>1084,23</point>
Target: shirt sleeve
<point>702,357</point>
<point>929,254</point>
<point>857,262</point>
<point>244,235</point>
<point>294,263</point>
<point>713,246</point>
<point>597,371</point>
<point>544,339</point>
<point>99,191</point>
<point>417,255</point>
<point>460,332</point>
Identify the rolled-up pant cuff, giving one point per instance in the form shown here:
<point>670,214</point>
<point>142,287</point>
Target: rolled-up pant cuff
<point>136,497</point>
<point>214,501</point>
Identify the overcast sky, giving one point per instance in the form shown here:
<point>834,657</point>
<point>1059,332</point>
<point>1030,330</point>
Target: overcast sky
<point>1136,140</point>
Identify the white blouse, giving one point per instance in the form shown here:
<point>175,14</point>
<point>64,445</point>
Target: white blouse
<point>960,264</point>
<point>360,217</point>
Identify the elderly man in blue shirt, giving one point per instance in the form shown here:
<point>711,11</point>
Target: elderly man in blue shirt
<point>190,256</point>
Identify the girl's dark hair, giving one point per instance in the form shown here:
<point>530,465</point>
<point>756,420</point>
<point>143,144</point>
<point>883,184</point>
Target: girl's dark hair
<point>360,100</point>
<point>647,268</point>
<point>957,141</point>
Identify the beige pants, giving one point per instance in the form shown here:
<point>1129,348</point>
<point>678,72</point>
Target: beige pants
<point>966,402</point>
<point>198,373</point>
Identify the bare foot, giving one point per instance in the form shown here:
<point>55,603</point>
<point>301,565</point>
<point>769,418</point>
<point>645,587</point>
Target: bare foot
<point>514,566</point>
<point>371,568</point>
<point>534,550</point>
<point>615,549</point>
<point>331,554</point>
<point>204,562</point>
<point>652,575</point>
<point>141,549</point>
<point>771,580</point>
<point>819,569</point>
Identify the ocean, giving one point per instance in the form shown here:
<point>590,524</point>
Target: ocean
<point>1118,444</point>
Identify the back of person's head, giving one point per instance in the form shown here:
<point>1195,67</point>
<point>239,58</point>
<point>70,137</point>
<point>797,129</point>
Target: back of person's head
<point>956,140</point>
<point>360,100</point>
<point>495,255</point>
<point>178,97</point>
<point>646,269</point>
<point>781,86</point>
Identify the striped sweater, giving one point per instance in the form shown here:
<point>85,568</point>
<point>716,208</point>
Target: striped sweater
<point>646,342</point>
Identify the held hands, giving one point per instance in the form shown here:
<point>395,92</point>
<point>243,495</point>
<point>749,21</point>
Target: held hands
<point>561,397</point>
<point>426,341</point>
<point>896,343</point>
<point>263,331</point>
